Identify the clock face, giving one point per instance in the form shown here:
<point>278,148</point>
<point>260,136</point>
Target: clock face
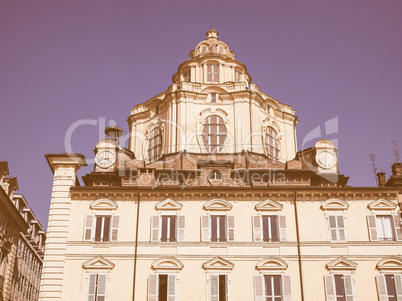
<point>326,160</point>
<point>105,159</point>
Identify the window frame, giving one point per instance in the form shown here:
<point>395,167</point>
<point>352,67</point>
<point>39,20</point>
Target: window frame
<point>96,294</point>
<point>271,143</point>
<point>259,229</point>
<point>373,228</point>
<point>213,73</point>
<point>213,130</point>
<point>154,150</point>
<point>157,227</point>
<point>90,227</point>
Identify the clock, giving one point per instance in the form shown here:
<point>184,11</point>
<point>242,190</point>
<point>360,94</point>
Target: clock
<point>325,160</point>
<point>105,159</point>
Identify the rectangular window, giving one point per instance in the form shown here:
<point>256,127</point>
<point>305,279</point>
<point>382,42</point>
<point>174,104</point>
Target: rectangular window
<point>162,287</point>
<point>384,227</point>
<point>218,228</point>
<point>102,228</point>
<point>213,97</point>
<point>97,287</point>
<point>186,76</point>
<point>237,76</point>
<point>213,73</point>
<point>270,228</point>
<point>218,287</point>
<point>272,287</point>
<point>337,231</point>
<point>339,287</point>
<point>168,228</point>
<point>389,287</point>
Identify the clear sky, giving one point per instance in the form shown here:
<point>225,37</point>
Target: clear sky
<point>65,61</point>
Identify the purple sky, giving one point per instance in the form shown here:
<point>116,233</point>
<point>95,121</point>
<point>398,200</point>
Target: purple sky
<point>63,61</point>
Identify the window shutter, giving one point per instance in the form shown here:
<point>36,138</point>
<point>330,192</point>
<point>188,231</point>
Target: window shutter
<point>101,294</point>
<point>227,287</point>
<point>205,228</point>
<point>398,286</point>
<point>213,288</point>
<point>330,287</point>
<point>332,228</point>
<point>181,223</point>
<point>397,225</point>
<point>115,227</point>
<point>88,226</point>
<point>349,287</point>
<point>372,227</point>
<point>287,288</point>
<point>257,228</point>
<point>231,227</point>
<point>259,288</point>
<point>172,296</point>
<point>153,288</point>
<point>341,227</point>
<point>381,286</point>
<point>91,287</point>
<point>282,227</point>
<point>155,228</point>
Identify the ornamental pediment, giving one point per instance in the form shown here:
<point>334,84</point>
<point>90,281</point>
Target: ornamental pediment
<point>218,263</point>
<point>335,204</point>
<point>167,263</point>
<point>342,263</point>
<point>390,264</point>
<point>382,204</point>
<point>268,205</point>
<point>103,204</point>
<point>169,204</point>
<point>272,263</point>
<point>98,262</point>
<point>218,204</point>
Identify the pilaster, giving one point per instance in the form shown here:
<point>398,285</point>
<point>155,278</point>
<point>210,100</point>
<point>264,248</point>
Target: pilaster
<point>64,168</point>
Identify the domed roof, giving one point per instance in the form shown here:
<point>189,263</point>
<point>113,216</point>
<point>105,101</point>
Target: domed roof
<point>212,46</point>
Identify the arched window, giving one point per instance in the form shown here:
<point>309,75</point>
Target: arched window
<point>155,144</point>
<point>271,143</point>
<point>213,134</point>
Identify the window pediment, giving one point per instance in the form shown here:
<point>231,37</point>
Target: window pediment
<point>382,204</point>
<point>342,263</point>
<point>272,264</point>
<point>218,263</point>
<point>392,263</point>
<point>167,263</point>
<point>103,204</point>
<point>168,204</point>
<point>268,205</point>
<point>334,204</point>
<point>98,263</point>
<point>218,204</point>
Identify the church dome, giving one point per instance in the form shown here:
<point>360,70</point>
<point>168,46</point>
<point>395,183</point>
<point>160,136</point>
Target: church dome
<point>212,46</point>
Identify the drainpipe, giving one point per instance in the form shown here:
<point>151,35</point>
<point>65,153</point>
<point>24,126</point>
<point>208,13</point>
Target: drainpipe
<point>298,246</point>
<point>136,242</point>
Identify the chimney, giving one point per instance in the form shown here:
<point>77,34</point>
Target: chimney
<point>397,169</point>
<point>381,179</point>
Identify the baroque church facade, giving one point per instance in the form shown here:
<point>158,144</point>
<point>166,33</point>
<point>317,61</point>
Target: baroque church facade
<point>211,200</point>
